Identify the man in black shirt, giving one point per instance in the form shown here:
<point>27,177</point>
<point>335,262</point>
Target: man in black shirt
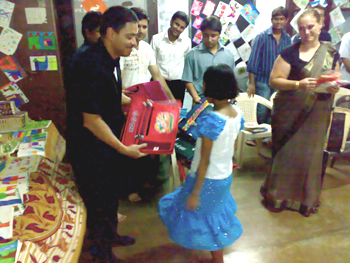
<point>94,123</point>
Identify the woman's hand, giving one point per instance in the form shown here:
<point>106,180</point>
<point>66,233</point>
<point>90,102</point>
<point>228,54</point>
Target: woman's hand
<point>308,84</point>
<point>333,88</point>
<point>192,202</point>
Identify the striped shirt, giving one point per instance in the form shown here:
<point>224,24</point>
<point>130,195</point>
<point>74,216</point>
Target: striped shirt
<point>264,53</point>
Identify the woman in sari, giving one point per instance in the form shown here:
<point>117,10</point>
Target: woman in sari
<point>300,119</point>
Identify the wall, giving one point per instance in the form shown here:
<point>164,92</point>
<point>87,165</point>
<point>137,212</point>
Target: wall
<point>265,8</point>
<point>79,13</point>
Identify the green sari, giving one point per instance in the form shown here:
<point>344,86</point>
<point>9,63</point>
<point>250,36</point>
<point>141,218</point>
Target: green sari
<point>299,125</point>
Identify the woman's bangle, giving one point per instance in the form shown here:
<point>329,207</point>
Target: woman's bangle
<point>297,85</point>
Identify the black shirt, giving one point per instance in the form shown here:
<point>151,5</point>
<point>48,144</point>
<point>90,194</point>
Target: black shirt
<point>93,89</point>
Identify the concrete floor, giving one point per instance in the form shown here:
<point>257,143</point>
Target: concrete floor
<point>267,238</point>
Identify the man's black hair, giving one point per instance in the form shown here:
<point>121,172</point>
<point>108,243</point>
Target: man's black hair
<point>212,23</point>
<point>182,16</point>
<point>91,21</point>
<point>116,17</point>
<point>280,11</point>
<point>140,13</point>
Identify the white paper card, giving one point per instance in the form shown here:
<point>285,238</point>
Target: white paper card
<point>9,40</point>
<point>244,51</point>
<point>337,17</point>
<point>248,33</point>
<point>35,15</point>
<point>6,10</point>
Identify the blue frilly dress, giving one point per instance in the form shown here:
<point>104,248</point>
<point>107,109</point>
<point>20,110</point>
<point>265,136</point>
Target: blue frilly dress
<point>213,225</point>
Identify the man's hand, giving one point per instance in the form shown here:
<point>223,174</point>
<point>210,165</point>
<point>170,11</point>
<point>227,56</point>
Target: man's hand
<point>133,150</point>
<point>251,90</point>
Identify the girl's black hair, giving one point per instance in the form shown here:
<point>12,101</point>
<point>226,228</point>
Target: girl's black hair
<point>220,82</point>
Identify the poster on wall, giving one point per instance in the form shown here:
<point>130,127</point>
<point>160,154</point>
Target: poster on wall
<point>337,17</point>
<point>209,8</point>
<point>6,10</point>
<point>197,22</point>
<point>12,92</point>
<point>235,10</point>
<point>9,40</point>
<point>301,3</point>
<point>223,10</point>
<point>336,35</point>
<point>43,62</point>
<point>41,40</point>
<point>340,2</point>
<point>249,12</point>
<point>249,33</point>
<point>12,69</point>
<point>196,8</point>
<point>94,5</point>
<point>198,37</point>
<point>35,15</point>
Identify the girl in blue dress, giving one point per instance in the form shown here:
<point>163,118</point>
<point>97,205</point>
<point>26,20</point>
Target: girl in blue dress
<point>201,214</point>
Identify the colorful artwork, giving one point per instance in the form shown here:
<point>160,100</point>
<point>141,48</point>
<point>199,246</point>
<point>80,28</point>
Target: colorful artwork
<point>249,12</point>
<point>6,10</point>
<point>12,92</point>
<point>9,40</point>
<point>301,3</point>
<point>222,10</point>
<point>337,17</point>
<point>319,2</point>
<point>41,40</point>
<point>42,63</point>
<point>196,8</point>
<point>198,37</point>
<point>12,69</point>
<point>164,122</point>
<point>197,22</point>
<point>209,8</point>
<point>235,9</point>
<point>336,35</point>
<point>19,165</point>
<point>94,5</point>
<point>249,33</point>
<point>11,198</point>
<point>232,32</point>
<point>8,252</point>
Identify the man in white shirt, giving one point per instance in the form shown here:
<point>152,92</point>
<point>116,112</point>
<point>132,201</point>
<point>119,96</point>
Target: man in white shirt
<point>170,48</point>
<point>344,52</point>
<point>135,67</point>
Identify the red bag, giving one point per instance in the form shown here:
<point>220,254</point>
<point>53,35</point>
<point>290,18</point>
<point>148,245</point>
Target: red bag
<point>150,90</point>
<point>154,123</point>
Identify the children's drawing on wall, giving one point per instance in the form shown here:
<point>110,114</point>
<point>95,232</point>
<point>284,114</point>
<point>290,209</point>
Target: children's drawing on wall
<point>235,10</point>
<point>6,10</point>
<point>209,8</point>
<point>9,40</point>
<point>11,92</point>
<point>222,10</point>
<point>198,37</point>
<point>337,17</point>
<point>41,40</point>
<point>196,8</point>
<point>94,5</point>
<point>12,69</point>
<point>43,62</point>
<point>336,35</point>
<point>35,15</point>
<point>197,22</point>
<point>249,12</point>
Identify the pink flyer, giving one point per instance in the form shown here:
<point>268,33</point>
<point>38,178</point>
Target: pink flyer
<point>198,37</point>
<point>196,8</point>
<point>197,22</point>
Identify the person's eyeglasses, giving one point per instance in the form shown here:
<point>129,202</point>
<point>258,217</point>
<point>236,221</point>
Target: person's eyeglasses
<point>308,27</point>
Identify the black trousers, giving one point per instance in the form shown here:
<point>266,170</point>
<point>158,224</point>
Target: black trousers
<point>177,87</point>
<point>100,182</point>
